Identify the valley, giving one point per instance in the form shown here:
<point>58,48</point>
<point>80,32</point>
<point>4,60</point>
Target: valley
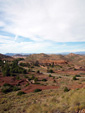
<point>48,83</point>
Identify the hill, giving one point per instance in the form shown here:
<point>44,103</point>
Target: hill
<point>43,83</point>
<point>5,57</point>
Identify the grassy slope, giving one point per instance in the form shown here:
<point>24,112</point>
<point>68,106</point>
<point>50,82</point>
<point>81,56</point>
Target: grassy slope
<point>48,101</point>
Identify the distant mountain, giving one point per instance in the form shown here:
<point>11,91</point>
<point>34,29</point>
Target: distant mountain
<point>10,54</point>
<point>63,53</point>
<point>16,54</point>
<point>66,53</point>
<point>80,53</point>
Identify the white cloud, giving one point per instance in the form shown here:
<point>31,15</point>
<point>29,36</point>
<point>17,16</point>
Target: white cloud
<point>56,20</point>
<point>44,22</point>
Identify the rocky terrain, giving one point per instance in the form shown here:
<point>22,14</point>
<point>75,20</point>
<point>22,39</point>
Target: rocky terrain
<point>59,81</point>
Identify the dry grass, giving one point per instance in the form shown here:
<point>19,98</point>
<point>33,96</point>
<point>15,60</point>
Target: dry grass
<point>48,101</point>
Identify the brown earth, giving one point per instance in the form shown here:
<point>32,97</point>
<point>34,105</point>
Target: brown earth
<point>32,87</point>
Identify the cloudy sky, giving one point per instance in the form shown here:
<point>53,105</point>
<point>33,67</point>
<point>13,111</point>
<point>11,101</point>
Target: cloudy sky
<point>36,26</point>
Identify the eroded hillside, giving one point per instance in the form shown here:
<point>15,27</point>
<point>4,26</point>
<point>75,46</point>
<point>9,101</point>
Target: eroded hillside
<point>41,83</point>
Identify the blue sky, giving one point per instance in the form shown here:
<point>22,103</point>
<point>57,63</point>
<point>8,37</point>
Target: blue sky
<point>42,26</point>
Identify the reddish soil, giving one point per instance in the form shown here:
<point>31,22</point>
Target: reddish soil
<point>32,87</point>
<point>23,82</point>
<point>75,86</point>
<point>71,72</point>
<point>12,81</point>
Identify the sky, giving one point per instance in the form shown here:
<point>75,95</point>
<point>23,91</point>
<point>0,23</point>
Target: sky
<point>42,26</point>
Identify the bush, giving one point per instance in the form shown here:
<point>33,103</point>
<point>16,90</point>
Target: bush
<point>44,80</point>
<point>6,84</point>
<point>74,78</point>
<point>8,88</point>
<point>37,90</point>
<point>50,75</point>
<point>15,88</point>
<point>50,71</point>
<point>53,77</point>
<point>11,69</point>
<point>17,77</point>
<point>27,84</point>
<point>20,93</point>
<point>66,89</point>
<point>77,76</point>
<point>75,69</point>
<point>23,64</point>
<point>38,71</point>
<point>36,79</point>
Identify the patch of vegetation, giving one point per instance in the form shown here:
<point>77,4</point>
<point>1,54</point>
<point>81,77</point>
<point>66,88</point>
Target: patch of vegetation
<point>20,93</point>
<point>36,63</point>
<point>75,69</point>
<point>53,77</point>
<point>59,77</point>
<point>1,63</point>
<point>29,70</point>
<point>23,64</point>
<point>16,88</point>
<point>66,75</point>
<point>44,80</point>
<point>50,71</point>
<point>37,90</point>
<point>74,78</point>
<point>11,69</point>
<point>19,59</point>
<point>38,71</point>
<point>47,101</point>
<point>50,75</point>
<point>77,76</point>
<point>27,84</point>
<point>66,89</point>
<point>35,79</point>
<point>6,88</point>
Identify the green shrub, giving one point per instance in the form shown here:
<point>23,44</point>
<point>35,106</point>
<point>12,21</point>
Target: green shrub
<point>32,66</point>
<point>36,79</point>
<point>16,88</point>
<point>38,71</point>
<point>17,77</point>
<point>23,64</point>
<point>50,71</point>
<point>27,84</point>
<point>53,77</point>
<point>37,90</point>
<point>75,69</point>
<point>59,77</point>
<point>20,93</point>
<point>44,80</point>
<point>50,75</point>
<point>74,78</point>
<point>7,88</point>
<point>6,84</point>
<point>66,89</point>
<point>77,76</point>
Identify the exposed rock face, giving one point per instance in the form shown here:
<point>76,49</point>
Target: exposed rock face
<point>53,62</point>
<point>53,59</point>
